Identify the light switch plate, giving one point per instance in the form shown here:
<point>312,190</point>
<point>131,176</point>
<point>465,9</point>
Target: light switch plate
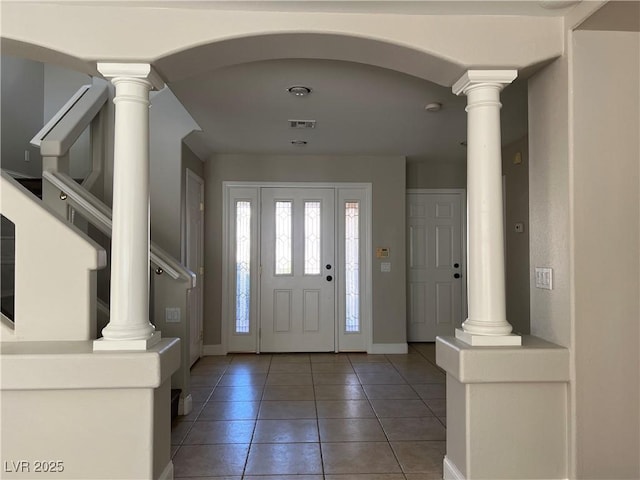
<point>544,278</point>
<point>172,315</point>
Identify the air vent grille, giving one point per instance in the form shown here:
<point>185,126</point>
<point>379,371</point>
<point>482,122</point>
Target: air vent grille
<point>302,123</point>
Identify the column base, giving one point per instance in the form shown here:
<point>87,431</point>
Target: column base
<point>511,340</point>
<point>102,345</point>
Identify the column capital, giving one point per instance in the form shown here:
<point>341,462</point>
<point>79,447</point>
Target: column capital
<point>478,77</point>
<point>141,71</point>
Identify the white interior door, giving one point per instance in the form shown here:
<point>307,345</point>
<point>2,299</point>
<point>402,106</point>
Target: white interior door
<point>298,277</point>
<point>435,265</point>
<point>195,258</point>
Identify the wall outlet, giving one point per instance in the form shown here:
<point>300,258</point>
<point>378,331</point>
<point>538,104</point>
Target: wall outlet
<point>544,278</point>
<point>519,227</point>
<point>385,267</point>
<point>172,315</point>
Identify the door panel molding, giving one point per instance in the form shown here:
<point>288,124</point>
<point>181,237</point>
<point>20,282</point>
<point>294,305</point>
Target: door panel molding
<point>438,302</point>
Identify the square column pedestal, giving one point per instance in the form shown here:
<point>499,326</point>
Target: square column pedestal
<point>507,410</point>
<point>69,412</point>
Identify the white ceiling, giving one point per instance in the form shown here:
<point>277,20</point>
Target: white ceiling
<point>359,109</point>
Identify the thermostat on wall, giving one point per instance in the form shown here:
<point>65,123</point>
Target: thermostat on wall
<point>382,252</point>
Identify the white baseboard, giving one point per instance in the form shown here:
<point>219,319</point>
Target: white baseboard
<point>388,348</point>
<point>451,472</point>
<point>167,473</point>
<point>376,348</point>
<point>185,405</point>
<point>210,350</point>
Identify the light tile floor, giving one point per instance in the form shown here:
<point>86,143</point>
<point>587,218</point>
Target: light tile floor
<point>314,416</point>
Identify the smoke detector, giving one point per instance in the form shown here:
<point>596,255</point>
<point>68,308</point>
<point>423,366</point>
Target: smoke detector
<point>433,107</point>
<point>299,90</point>
<point>298,142</point>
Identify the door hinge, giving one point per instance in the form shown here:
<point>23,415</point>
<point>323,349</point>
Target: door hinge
<point>201,207</point>
<point>201,335</point>
<point>201,270</point>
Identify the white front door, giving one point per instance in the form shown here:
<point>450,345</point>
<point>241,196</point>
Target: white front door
<point>298,275</point>
<point>195,258</point>
<point>435,265</point>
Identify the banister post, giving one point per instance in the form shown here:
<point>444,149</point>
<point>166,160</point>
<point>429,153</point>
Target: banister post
<point>129,327</point>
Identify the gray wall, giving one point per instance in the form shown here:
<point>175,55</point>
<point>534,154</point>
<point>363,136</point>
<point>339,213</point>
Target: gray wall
<point>606,121</point>
<point>517,244</point>
<point>192,162</point>
<point>22,100</point>
<point>433,174</point>
<point>169,124</point>
<point>549,218</point>
<point>32,93</point>
<point>387,175</point>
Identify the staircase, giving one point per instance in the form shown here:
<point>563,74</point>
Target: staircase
<point>69,200</point>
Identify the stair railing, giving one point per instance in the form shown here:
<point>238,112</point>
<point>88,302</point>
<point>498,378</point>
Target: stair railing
<point>171,283</point>
<point>99,215</point>
<point>56,138</point>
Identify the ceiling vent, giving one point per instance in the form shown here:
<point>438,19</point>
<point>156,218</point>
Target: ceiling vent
<point>302,123</point>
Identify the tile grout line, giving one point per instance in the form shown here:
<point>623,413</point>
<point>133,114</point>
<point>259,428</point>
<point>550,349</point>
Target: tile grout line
<point>255,424</point>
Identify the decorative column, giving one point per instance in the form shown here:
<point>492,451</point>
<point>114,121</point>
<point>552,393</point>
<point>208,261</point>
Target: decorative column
<point>487,323</point>
<point>129,327</point>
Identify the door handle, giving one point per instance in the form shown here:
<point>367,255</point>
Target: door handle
<point>456,275</point>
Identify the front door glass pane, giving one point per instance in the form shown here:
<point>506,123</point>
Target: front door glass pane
<point>284,264</point>
<point>312,238</point>
<point>243,266</point>
<point>352,267</point>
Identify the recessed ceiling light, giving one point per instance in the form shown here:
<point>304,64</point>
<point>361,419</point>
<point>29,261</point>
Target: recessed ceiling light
<point>433,107</point>
<point>299,90</point>
<point>298,142</point>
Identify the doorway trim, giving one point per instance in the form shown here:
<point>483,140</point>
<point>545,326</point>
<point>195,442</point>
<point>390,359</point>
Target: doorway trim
<point>343,190</point>
<point>191,175</point>
<point>463,212</point>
